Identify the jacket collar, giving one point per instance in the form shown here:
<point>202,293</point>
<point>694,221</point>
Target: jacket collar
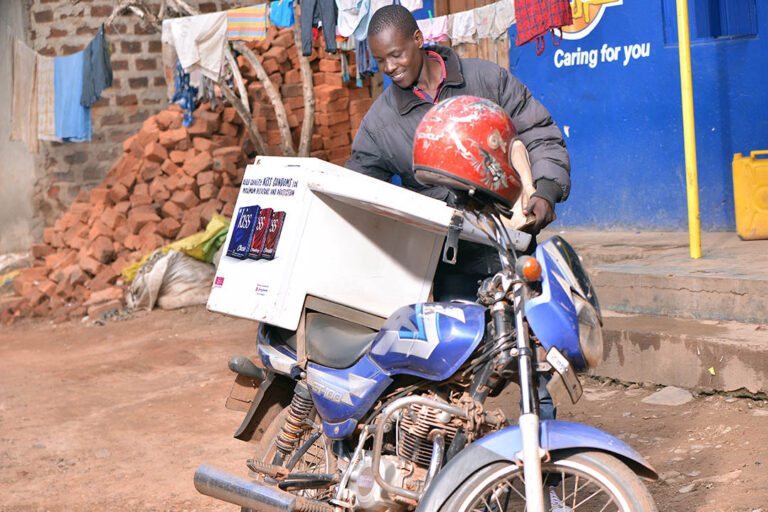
<point>406,100</point>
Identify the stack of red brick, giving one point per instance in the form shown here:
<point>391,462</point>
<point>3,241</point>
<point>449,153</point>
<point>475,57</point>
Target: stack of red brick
<point>167,185</point>
<point>171,180</point>
<point>339,105</point>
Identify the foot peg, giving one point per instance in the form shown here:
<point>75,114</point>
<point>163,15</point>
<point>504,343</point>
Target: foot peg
<point>264,468</point>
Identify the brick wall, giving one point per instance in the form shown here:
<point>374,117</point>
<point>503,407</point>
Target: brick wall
<point>62,27</point>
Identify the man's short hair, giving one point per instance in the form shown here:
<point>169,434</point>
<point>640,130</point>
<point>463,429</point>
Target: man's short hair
<point>393,16</point>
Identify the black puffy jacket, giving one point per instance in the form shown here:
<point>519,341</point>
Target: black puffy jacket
<point>383,145</point>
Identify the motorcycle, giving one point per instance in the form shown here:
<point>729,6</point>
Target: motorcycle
<point>395,419</point>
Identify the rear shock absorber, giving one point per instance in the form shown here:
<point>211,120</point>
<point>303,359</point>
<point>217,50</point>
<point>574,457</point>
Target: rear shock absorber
<point>301,406</point>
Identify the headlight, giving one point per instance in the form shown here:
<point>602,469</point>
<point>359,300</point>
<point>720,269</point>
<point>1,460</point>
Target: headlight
<point>590,332</point>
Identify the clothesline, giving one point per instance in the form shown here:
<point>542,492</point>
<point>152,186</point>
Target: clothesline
<point>491,21</point>
<point>200,40</point>
<point>52,96</point>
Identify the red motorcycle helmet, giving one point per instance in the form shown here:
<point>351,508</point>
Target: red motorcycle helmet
<point>463,143</point>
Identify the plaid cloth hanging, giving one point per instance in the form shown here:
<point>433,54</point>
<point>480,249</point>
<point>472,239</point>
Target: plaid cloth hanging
<point>536,17</point>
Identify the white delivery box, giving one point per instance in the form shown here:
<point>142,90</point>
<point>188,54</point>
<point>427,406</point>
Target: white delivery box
<point>302,226</point>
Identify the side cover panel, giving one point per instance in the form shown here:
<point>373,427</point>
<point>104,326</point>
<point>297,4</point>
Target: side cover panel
<point>345,394</point>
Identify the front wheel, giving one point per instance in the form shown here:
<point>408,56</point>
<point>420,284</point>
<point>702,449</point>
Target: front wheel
<point>573,482</point>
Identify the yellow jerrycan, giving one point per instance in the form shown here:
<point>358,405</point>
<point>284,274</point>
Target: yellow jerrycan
<point>750,194</point>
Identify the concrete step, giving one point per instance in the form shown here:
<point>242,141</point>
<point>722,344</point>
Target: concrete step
<point>690,353</point>
<point>652,273</point>
<point>673,320</point>
<point>656,290</point>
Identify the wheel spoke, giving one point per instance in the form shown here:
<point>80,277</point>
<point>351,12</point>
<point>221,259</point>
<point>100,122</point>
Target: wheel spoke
<point>496,499</point>
<point>569,484</point>
<point>521,495</point>
<point>599,491</point>
<point>509,495</point>
<point>605,507</point>
<point>575,486</point>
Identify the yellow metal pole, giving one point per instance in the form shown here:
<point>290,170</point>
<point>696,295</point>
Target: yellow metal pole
<point>689,132</point>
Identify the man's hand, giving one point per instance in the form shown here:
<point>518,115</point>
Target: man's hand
<point>542,210</point>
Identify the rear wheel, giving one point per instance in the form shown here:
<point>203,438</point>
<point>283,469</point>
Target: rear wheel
<point>309,454</point>
<point>575,482</point>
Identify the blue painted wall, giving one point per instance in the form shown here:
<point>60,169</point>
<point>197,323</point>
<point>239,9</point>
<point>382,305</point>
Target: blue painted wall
<point>624,122</point>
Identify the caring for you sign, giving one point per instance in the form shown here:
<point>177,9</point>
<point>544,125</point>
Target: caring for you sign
<point>587,15</point>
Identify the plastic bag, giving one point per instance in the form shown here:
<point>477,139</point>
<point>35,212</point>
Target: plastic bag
<point>169,281</point>
<point>201,246</point>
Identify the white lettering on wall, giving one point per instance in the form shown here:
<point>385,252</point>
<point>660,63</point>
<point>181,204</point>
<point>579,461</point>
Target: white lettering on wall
<point>636,51</point>
<point>578,58</point>
<point>606,53</point>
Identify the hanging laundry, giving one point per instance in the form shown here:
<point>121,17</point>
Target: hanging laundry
<point>501,51</point>
<point>345,43</point>
<point>503,18</point>
<point>354,16</point>
<point>209,93</point>
<point>362,28</point>
<point>316,13</point>
<point>463,28</point>
<point>378,4</point>
<point>281,13</point>
<point>169,68</point>
<point>46,111</point>
<point>366,64</point>
<point>536,17</point>
<point>348,17</point>
<point>484,20</point>
<point>411,5</point>
<point>97,68</point>
<point>73,121</point>
<point>434,30</point>
<point>23,92</point>
<point>247,23</point>
<point>185,94</point>
<point>199,41</point>
<point>344,68</point>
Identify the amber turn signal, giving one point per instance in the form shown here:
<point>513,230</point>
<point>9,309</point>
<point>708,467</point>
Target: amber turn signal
<point>531,269</point>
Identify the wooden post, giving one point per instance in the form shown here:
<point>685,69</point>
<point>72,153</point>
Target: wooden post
<point>250,127</point>
<point>274,97</point>
<point>307,88</point>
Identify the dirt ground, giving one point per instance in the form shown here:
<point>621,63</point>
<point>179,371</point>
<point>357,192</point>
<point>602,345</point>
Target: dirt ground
<point>117,417</point>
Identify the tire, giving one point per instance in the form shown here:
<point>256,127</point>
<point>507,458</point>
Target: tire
<point>573,477</point>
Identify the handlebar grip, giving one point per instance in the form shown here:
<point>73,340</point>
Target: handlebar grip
<point>244,366</point>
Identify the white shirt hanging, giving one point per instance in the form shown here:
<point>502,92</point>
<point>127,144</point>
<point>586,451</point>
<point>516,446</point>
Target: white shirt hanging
<point>463,28</point>
<point>199,42</point>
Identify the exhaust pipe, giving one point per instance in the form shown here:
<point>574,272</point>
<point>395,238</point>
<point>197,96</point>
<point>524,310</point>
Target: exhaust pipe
<point>256,496</point>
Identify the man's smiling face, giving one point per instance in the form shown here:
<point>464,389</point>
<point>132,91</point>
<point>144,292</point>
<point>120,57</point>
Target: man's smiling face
<point>399,56</point>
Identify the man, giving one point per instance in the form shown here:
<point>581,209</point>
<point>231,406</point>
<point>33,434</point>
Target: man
<point>383,145</point>
<point>421,77</point>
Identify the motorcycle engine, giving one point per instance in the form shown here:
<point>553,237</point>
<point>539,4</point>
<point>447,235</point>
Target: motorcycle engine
<point>414,429</point>
<point>407,469</point>
<point>370,495</point>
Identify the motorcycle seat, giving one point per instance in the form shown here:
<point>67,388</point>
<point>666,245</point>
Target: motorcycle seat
<point>334,342</point>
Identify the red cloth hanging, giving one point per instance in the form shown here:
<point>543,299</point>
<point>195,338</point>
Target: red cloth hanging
<point>536,17</point>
